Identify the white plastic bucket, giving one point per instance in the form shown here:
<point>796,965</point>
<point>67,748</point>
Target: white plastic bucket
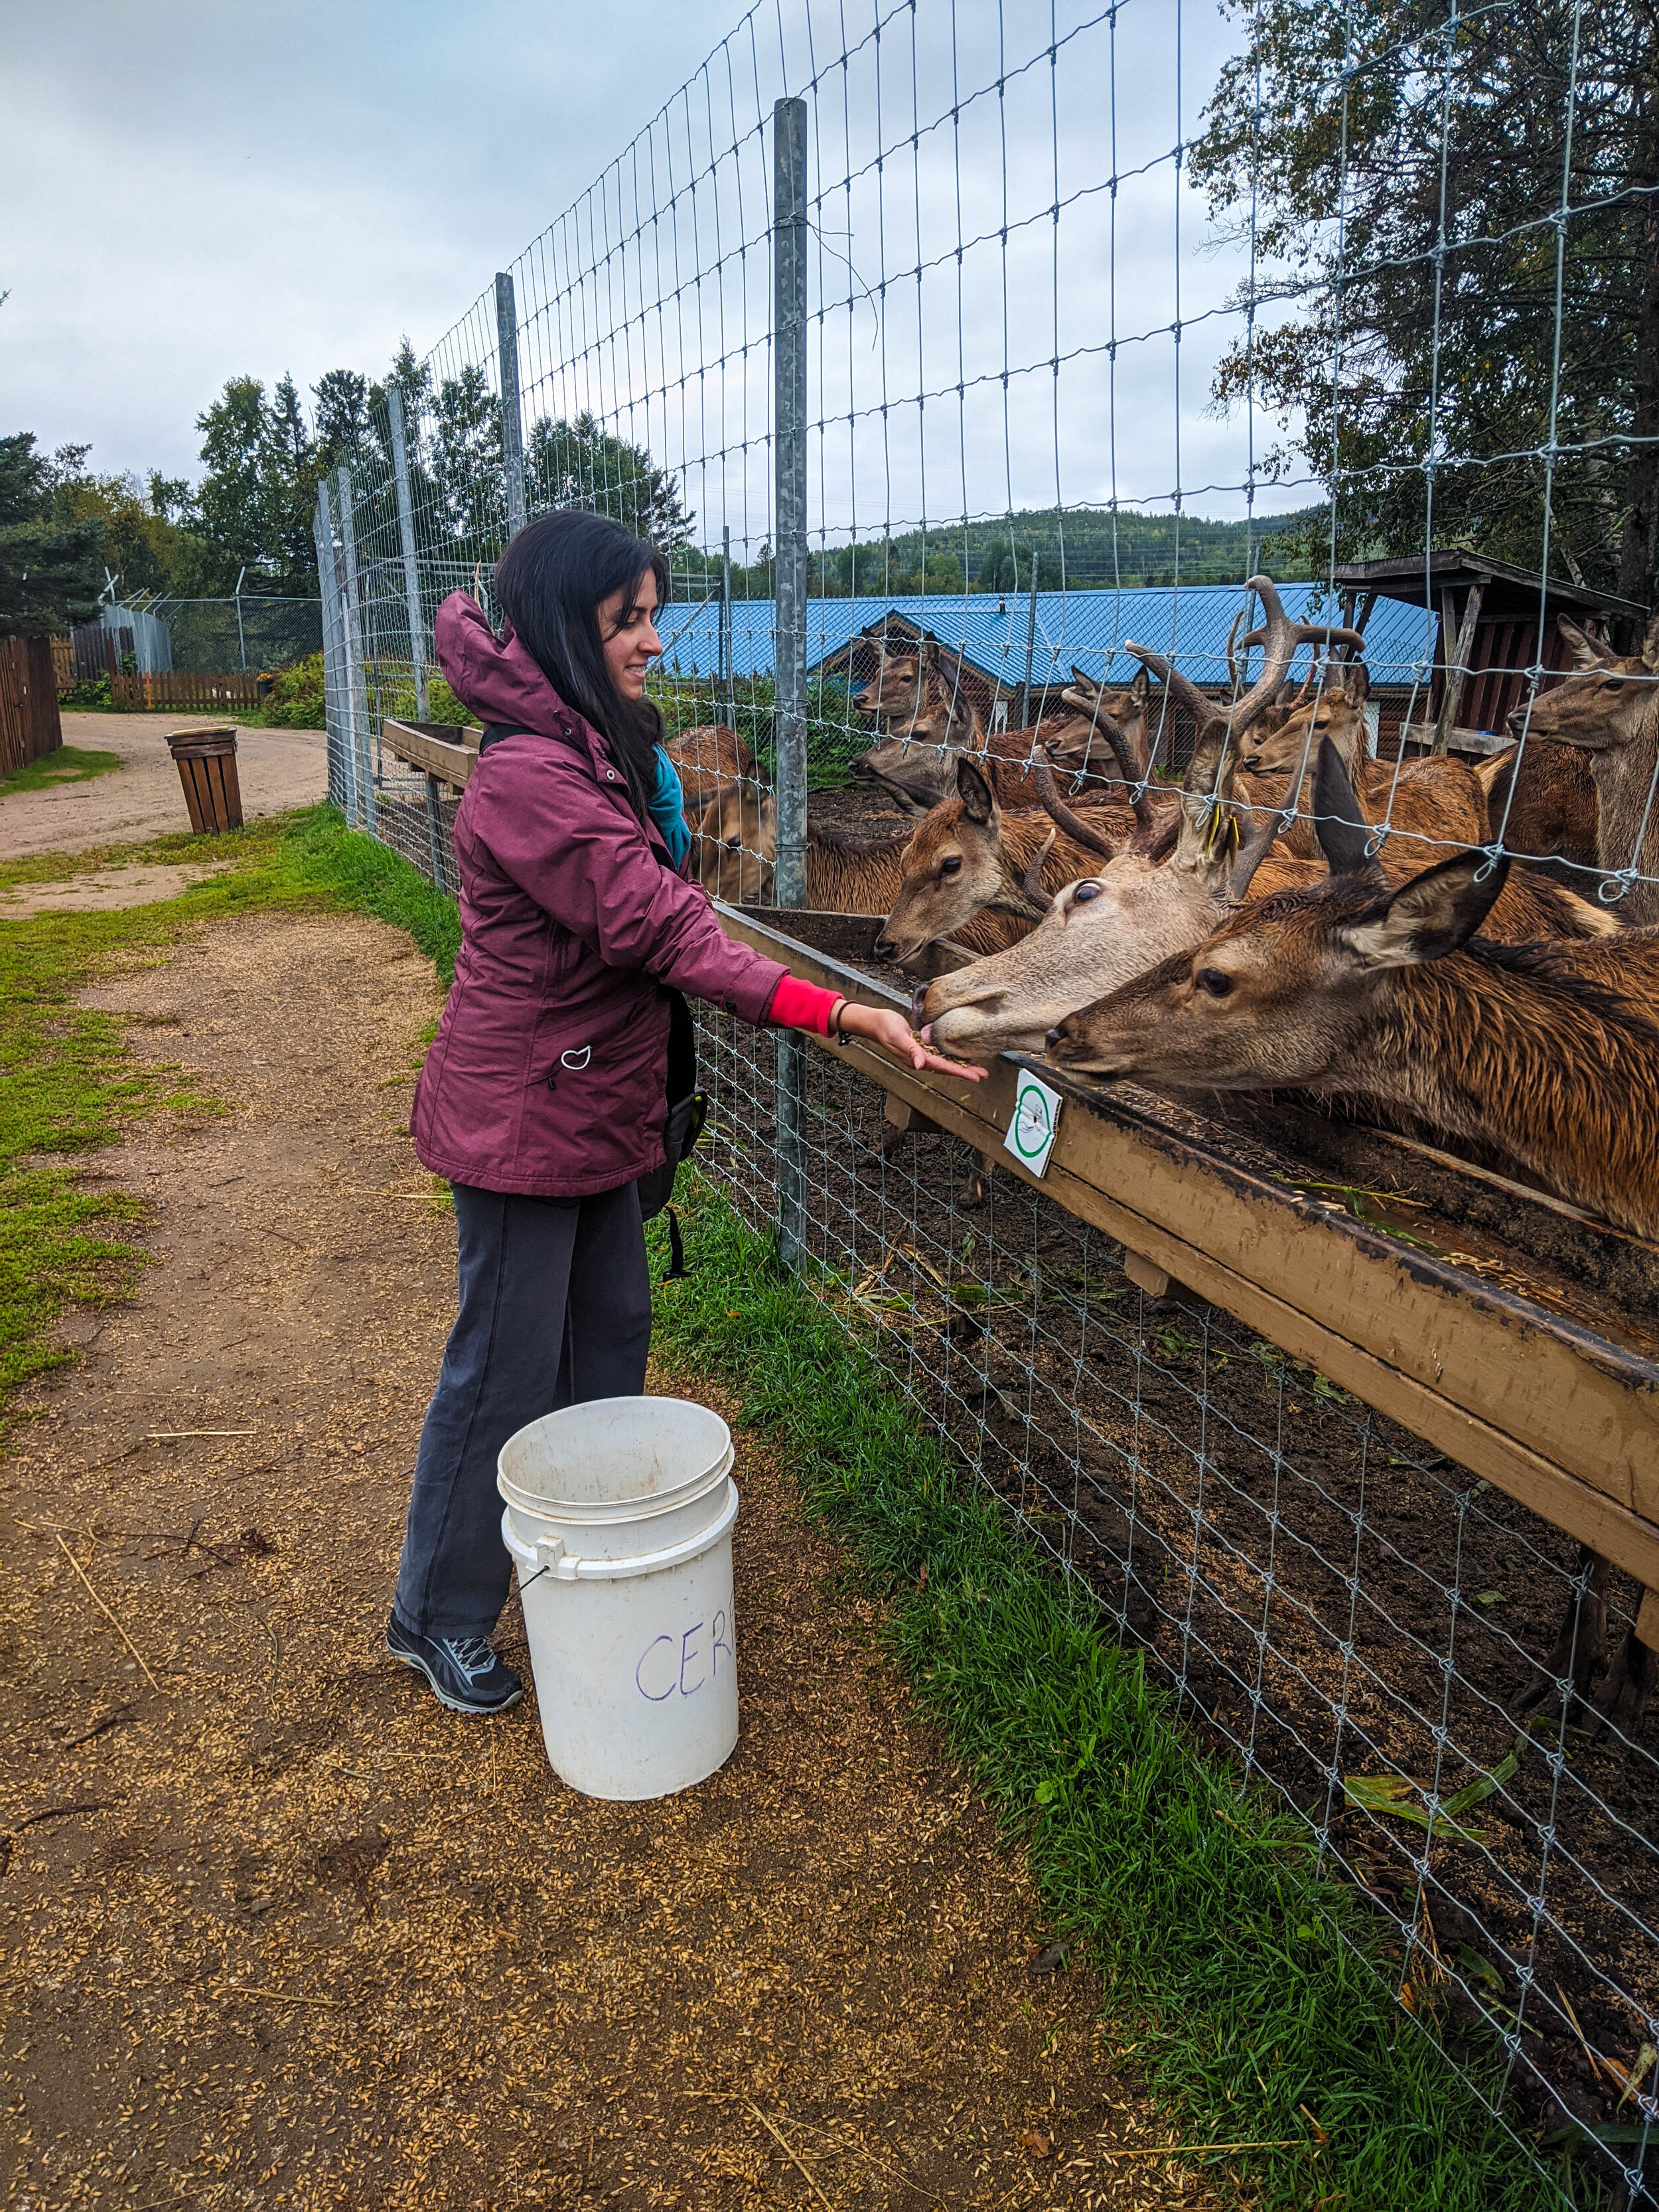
<point>618,1517</point>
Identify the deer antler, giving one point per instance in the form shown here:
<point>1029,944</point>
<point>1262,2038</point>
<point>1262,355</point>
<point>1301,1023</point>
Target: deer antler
<point>1203,710</point>
<point>1032,882</point>
<point>1072,824</point>
<point>1281,637</point>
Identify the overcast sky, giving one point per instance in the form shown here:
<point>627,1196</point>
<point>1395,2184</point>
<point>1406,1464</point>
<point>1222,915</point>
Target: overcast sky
<point>194,190</point>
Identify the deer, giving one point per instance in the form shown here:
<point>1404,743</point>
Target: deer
<point>737,845</point>
<point>895,691</point>
<point>968,855</point>
<point>706,759</point>
<point>1546,1052</point>
<point>1435,801</point>
<point>1609,708</point>
<point>1542,808</point>
<point>1170,883</point>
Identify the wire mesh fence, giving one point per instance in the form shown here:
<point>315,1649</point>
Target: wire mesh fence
<point>944,352</point>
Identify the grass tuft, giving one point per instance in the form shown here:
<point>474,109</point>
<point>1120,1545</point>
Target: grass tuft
<point>69,764</point>
<point>1254,1987</point>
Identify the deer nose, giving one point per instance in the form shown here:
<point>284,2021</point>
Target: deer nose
<point>886,949</point>
<point>918,999</point>
<point>1056,1036</point>
<point>1515,722</point>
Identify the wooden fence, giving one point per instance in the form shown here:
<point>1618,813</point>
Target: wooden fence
<point>29,723</point>
<point>206,695</point>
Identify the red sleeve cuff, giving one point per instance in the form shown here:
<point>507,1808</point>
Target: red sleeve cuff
<point>798,1006</point>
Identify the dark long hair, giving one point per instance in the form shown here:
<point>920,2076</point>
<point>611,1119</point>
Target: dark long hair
<point>549,584</point>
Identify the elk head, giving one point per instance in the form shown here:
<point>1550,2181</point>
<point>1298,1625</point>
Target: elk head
<point>953,869</point>
<point>914,764</point>
<point>1335,709</point>
<point>1082,745</point>
<point>735,844</point>
<point>894,693</point>
<point>1284,993</point>
<point>1609,706</point>
<point>1166,887</point>
<point>1610,700</point>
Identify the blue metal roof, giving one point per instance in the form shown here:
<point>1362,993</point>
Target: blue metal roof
<point>1190,625</point>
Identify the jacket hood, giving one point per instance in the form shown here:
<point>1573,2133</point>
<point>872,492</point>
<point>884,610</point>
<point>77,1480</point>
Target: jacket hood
<point>494,678</point>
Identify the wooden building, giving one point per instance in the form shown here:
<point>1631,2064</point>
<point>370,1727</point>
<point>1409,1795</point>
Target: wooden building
<point>1494,625</point>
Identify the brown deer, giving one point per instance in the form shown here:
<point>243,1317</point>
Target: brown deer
<point>1081,746</point>
<point>1437,801</point>
<point>706,759</point>
<point>1173,882</point>
<point>1540,807</point>
<point>1546,1052</point>
<point>895,692</point>
<point>968,855</point>
<point>1610,708</point>
<point>737,845</point>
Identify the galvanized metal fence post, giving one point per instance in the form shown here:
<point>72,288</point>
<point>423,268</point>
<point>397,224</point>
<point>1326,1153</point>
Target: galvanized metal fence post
<point>789,662</point>
<point>394,400</point>
<point>352,629</point>
<point>506,343</point>
<point>725,623</point>
<point>337,711</point>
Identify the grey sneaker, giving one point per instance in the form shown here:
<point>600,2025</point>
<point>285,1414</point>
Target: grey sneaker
<point>464,1672</point>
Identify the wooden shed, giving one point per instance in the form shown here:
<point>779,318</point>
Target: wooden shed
<point>1494,624</point>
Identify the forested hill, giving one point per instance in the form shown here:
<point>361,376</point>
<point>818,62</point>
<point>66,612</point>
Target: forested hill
<point>1100,549</point>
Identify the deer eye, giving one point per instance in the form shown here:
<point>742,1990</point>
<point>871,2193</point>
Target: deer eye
<point>951,867</point>
<point>1083,893</point>
<point>1214,980</point>
<point>1613,684</point>
<point>734,844</point>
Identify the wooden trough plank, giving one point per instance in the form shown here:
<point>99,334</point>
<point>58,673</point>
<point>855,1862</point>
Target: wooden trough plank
<point>1559,1419</point>
<point>450,763</point>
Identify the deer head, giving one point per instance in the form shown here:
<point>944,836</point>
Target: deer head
<point>1081,745</point>
<point>1173,881</point>
<point>1335,709</point>
<point>954,868</point>
<point>1285,993</point>
<point>894,693</point>
<point>734,845</point>
<point>1609,706</point>
<point>914,764</point>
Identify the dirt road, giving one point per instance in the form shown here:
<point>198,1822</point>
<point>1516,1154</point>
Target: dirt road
<point>277,770</point>
<point>282,1933</point>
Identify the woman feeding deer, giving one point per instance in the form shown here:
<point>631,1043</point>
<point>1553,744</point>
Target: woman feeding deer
<point>558,1088</point>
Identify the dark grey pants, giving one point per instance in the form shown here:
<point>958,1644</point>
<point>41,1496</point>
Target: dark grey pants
<point>555,1309</point>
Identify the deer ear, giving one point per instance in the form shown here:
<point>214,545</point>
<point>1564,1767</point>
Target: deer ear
<point>1339,822</point>
<point>978,800</point>
<point>1586,653</point>
<point>1140,683</point>
<point>1433,914</point>
<point>1651,646</point>
<point>1357,681</point>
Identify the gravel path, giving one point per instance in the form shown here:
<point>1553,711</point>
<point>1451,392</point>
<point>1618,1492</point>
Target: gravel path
<point>279,1932</point>
<point>277,768</point>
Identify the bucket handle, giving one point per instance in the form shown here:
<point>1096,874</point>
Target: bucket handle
<point>547,1555</point>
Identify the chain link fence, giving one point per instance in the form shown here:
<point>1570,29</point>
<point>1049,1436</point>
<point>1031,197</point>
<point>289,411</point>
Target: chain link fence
<point>918,347</point>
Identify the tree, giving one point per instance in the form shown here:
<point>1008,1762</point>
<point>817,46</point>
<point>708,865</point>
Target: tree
<point>51,569</point>
<point>580,464</point>
<point>1410,223</point>
<point>1008,568</point>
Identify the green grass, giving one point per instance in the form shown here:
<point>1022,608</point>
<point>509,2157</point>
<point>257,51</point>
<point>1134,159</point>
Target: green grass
<point>1253,1987</point>
<point>69,1082</point>
<point>69,764</point>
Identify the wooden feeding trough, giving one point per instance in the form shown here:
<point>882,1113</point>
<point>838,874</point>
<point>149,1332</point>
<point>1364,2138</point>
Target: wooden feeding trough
<point>1513,1333</point>
<point>444,756</point>
<point>207,770</point>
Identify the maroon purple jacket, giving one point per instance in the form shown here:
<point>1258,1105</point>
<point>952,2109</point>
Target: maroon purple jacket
<point>547,1072</point>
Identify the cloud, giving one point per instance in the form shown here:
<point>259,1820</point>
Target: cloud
<point>209,190</point>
